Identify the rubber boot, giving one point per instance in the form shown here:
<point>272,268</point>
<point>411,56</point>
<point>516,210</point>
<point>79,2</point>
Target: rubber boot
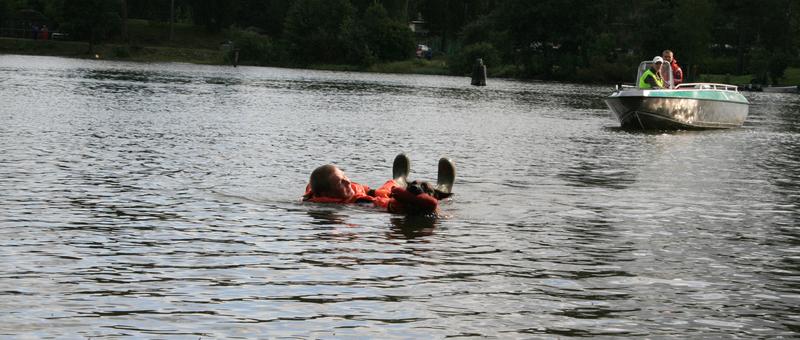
<point>400,169</point>
<point>445,178</point>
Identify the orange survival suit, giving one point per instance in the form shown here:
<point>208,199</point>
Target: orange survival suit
<point>389,196</point>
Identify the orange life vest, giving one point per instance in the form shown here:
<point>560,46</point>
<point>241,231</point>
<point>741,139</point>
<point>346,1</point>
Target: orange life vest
<point>360,195</point>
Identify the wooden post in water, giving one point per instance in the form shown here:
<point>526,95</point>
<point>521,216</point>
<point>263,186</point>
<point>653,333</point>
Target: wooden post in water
<point>479,73</point>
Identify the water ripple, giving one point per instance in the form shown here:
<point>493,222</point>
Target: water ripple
<point>162,200</point>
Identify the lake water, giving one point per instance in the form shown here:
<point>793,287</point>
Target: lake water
<point>162,201</point>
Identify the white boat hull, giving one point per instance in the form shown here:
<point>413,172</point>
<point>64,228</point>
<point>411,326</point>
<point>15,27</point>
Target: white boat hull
<point>678,109</point>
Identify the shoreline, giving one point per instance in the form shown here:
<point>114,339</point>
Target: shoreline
<point>203,56</point>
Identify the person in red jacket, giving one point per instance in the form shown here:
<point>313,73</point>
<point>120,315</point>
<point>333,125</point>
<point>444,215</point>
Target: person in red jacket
<point>677,72</point>
<point>329,184</point>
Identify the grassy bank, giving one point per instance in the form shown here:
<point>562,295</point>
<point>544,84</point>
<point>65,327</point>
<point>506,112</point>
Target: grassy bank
<point>46,47</point>
<point>179,53</point>
<point>156,34</point>
<point>149,42</point>
<point>75,49</point>
<point>791,77</point>
<point>415,66</point>
<point>412,66</point>
<point>161,54</point>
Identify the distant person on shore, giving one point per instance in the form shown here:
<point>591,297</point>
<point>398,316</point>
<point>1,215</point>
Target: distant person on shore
<point>651,78</point>
<point>677,72</point>
<point>44,34</point>
<point>35,31</point>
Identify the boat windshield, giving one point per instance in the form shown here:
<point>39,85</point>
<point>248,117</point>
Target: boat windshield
<point>666,73</point>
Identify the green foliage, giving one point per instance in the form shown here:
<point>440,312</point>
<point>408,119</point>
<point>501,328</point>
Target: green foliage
<point>417,66</point>
<point>4,10</point>
<point>266,17</point>
<point>356,47</point>
<point>38,47</point>
<point>692,44</point>
<point>777,67</point>
<point>759,65</point>
<point>483,30</point>
<point>768,67</point>
<point>91,20</point>
<point>601,70</point>
<point>373,38</point>
<point>551,39</point>
<point>388,40</point>
<point>313,29</point>
<point>154,33</point>
<point>791,76</point>
<point>462,62</point>
<point>254,48</point>
<point>121,52</point>
<point>725,79</point>
<point>720,65</point>
<point>214,15</point>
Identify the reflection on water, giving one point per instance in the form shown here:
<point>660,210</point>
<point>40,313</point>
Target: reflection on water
<point>162,201</point>
<point>414,226</point>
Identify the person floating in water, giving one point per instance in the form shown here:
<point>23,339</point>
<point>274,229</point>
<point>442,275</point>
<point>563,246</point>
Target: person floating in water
<point>329,184</point>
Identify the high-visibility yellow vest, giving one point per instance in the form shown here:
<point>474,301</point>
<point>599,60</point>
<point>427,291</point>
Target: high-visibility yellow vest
<point>649,73</point>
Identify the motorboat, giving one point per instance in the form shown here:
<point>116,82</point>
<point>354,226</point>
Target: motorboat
<point>686,106</point>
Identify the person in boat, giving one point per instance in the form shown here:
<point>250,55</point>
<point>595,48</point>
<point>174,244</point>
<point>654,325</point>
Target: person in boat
<point>651,78</point>
<point>329,184</point>
<point>677,72</point>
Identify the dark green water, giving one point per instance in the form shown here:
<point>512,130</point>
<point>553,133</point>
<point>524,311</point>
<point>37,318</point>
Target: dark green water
<point>162,201</point>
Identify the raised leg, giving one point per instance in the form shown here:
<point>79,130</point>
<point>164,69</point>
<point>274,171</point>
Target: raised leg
<point>400,169</point>
<point>446,177</point>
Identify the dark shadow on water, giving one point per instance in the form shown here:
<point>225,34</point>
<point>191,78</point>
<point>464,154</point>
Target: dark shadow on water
<point>139,76</point>
<point>594,174</point>
<point>597,161</point>
<point>326,217</point>
<point>413,226</point>
<point>595,312</point>
<point>223,81</point>
<point>654,132</point>
<point>579,333</point>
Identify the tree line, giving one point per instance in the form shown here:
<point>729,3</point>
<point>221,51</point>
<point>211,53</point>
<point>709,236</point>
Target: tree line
<point>600,40</point>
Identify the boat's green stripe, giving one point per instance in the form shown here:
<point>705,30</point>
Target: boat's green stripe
<point>694,94</point>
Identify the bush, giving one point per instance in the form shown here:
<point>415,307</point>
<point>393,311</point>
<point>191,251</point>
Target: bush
<point>120,52</point>
<point>375,37</point>
<point>721,65</point>
<point>778,62</point>
<point>602,71</point>
<point>356,48</point>
<point>253,48</point>
<point>312,30</point>
<point>461,62</point>
<point>389,40</point>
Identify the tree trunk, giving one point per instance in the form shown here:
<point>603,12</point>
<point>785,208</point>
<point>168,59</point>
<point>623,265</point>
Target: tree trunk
<point>91,43</point>
<point>171,20</point>
<point>740,55</point>
<point>125,21</point>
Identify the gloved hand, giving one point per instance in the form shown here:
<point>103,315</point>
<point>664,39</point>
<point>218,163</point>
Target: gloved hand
<point>419,187</point>
<point>407,202</point>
